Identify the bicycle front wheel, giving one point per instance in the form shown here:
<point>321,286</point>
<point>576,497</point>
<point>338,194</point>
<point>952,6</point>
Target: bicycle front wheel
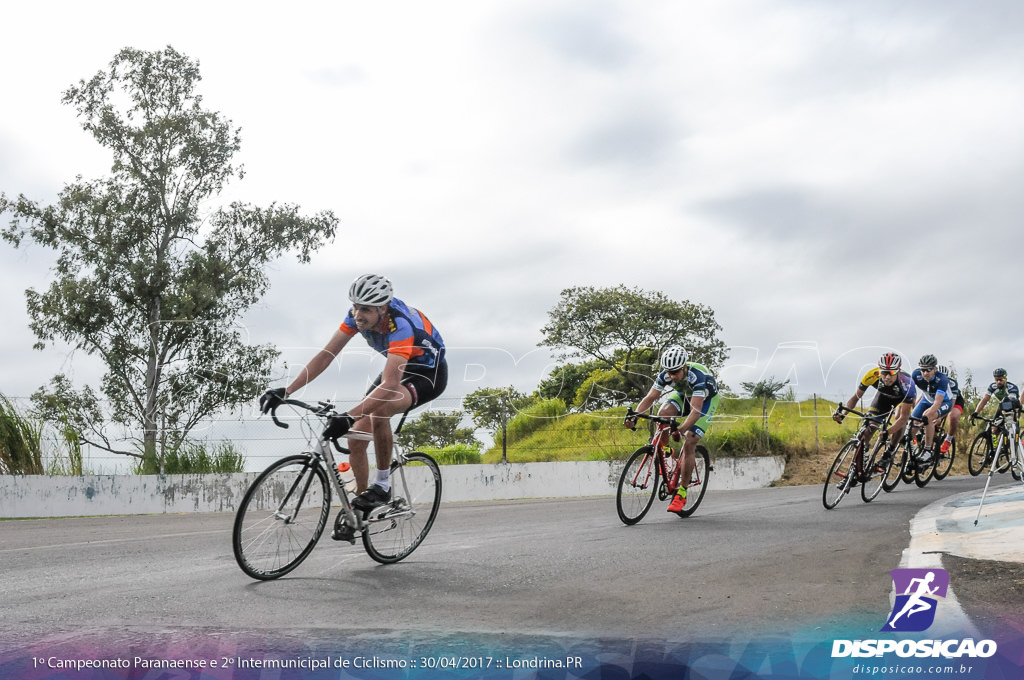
<point>394,530</point>
<point>698,485</point>
<point>895,472</point>
<point>980,454</point>
<point>923,471</point>
<point>875,472</point>
<point>637,485</point>
<point>281,517</point>
<point>944,461</point>
<point>840,476</point>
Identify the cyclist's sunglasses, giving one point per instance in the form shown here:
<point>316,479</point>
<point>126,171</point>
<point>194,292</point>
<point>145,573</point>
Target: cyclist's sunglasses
<point>889,372</point>
<point>928,370</point>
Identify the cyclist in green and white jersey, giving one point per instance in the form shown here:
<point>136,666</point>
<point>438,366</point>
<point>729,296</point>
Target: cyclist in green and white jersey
<point>694,394</point>
<point>1006,393</point>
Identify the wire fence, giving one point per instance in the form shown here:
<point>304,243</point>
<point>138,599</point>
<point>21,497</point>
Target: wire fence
<point>260,442</point>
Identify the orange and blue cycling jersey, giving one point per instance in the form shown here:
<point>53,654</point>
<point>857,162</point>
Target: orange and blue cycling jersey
<point>408,333</point>
<point>903,390</point>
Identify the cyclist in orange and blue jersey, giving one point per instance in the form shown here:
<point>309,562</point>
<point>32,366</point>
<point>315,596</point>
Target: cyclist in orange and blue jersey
<point>936,398</point>
<point>694,394</point>
<point>415,372</point>
<point>894,390</point>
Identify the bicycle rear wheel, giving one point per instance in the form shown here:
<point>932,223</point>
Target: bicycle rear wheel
<point>698,485</point>
<point>840,476</point>
<point>980,453</point>
<point>944,461</point>
<point>281,517</point>
<point>397,528</point>
<point>638,483</point>
<point>876,470</point>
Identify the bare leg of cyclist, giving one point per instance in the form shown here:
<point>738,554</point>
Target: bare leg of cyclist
<point>375,413</point>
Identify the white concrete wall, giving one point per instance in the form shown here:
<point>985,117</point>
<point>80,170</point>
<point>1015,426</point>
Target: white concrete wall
<point>44,496</point>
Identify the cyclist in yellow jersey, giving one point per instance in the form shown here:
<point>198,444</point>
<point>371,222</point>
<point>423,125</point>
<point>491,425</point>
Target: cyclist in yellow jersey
<point>894,391</point>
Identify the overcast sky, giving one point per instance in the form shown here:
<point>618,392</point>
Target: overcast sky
<point>833,178</point>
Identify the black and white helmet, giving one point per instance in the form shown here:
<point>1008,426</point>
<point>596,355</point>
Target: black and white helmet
<point>372,290</point>
<point>673,358</point>
<point>999,373</point>
<point>928,361</point>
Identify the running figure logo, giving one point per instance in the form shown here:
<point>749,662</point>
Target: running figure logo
<point>914,609</point>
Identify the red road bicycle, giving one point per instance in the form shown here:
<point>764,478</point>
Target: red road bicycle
<point>652,471</point>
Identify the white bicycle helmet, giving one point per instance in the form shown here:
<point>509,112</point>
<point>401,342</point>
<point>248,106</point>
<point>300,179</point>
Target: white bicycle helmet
<point>371,289</point>
<point>673,358</point>
<point>890,361</point>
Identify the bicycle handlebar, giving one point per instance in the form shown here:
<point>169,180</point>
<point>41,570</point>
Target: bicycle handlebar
<point>867,416</point>
<point>322,409</point>
<point>670,422</point>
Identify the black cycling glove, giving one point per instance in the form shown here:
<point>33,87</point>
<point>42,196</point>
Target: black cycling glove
<point>338,426</point>
<point>271,399</point>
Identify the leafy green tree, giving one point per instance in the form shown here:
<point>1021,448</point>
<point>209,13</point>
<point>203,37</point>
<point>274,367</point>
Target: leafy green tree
<point>436,429</point>
<point>148,277</point>
<point>614,326</point>
<point>492,407</point>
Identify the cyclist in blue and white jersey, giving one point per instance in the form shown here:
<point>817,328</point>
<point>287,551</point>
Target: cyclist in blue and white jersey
<point>957,397</point>
<point>1006,393</point>
<point>694,394</point>
<point>935,398</point>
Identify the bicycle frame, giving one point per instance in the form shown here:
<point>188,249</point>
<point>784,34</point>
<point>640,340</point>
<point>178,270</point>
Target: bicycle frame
<point>274,531</point>
<point>866,464</point>
<point>649,472</point>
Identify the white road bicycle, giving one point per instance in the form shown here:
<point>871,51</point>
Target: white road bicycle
<point>285,511</point>
<point>1008,450</point>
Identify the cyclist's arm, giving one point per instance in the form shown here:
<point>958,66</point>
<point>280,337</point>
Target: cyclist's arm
<point>934,409</point>
<point>320,361</point>
<point>857,396</point>
<point>696,404</point>
<point>390,388</point>
<point>649,400</point>
<point>981,404</point>
<point>902,416</point>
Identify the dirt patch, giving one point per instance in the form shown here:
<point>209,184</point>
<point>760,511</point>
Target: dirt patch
<point>991,593</point>
<point>810,467</point>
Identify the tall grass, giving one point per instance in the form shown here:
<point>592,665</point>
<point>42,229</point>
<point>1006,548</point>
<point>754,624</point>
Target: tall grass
<point>199,458</point>
<point>21,441</point>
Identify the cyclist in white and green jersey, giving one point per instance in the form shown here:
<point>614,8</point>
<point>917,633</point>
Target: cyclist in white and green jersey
<point>694,394</point>
<point>1006,393</point>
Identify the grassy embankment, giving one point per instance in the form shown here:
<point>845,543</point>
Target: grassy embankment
<point>545,432</point>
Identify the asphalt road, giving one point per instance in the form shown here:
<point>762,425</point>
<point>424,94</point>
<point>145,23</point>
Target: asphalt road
<point>770,561</point>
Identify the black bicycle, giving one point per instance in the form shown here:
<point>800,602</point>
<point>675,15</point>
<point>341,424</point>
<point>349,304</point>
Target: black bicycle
<point>285,511</point>
<point>856,465</point>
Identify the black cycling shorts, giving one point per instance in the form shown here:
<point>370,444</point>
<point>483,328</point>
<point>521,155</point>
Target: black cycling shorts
<point>424,383</point>
<point>883,404</point>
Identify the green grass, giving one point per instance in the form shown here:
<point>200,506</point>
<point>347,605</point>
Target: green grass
<point>737,430</point>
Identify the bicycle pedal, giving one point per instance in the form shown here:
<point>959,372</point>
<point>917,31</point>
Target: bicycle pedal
<point>344,533</point>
